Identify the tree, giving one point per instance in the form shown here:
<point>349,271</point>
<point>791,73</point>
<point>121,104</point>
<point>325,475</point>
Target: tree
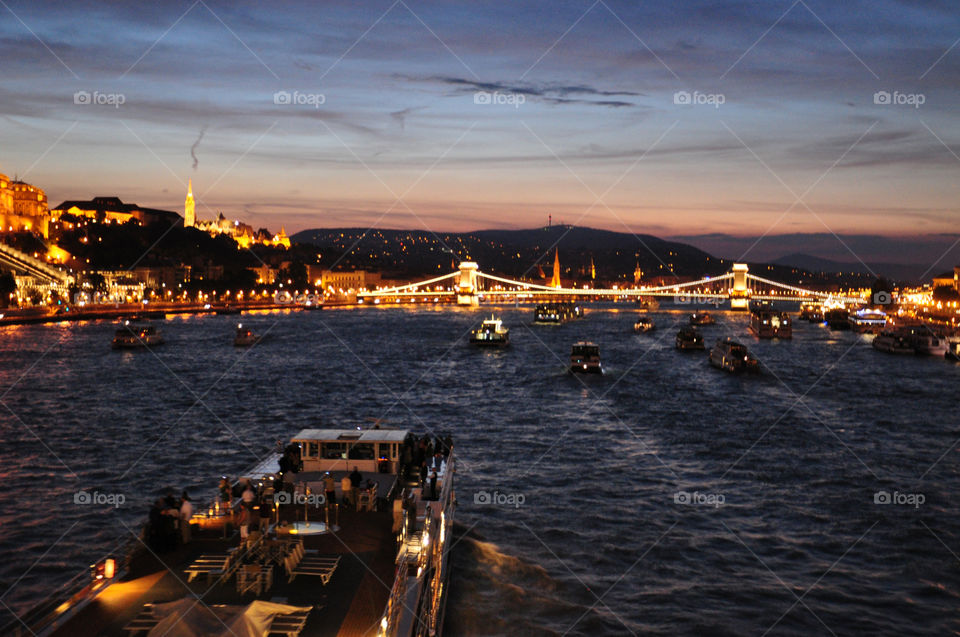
<point>8,286</point>
<point>945,293</point>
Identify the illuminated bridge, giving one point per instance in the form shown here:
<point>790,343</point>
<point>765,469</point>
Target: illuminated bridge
<point>25,264</point>
<point>468,285</point>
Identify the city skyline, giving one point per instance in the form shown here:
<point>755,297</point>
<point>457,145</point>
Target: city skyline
<point>751,119</point>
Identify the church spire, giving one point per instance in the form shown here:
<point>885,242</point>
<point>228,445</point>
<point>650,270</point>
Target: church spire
<point>189,217</point>
<point>555,281</point>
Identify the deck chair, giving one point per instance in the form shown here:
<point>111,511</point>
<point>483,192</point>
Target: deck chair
<point>143,622</point>
<point>207,565</point>
<point>322,567</point>
<point>289,624</point>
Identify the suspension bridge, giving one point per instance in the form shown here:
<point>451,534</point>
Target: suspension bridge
<point>469,285</point>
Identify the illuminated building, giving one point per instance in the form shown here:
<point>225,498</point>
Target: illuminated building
<point>23,208</point>
<point>242,233</point>
<point>113,210</point>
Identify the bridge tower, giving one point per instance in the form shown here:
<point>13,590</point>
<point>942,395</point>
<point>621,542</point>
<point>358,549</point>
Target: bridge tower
<point>740,295</point>
<point>467,285</point>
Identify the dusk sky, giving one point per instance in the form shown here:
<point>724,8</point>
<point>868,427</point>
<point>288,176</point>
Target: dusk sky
<point>788,137</point>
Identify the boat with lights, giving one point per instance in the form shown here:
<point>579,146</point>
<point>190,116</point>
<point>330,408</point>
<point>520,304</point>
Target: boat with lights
<point>244,337</point>
<point>491,333</point>
<point>688,338</point>
<point>374,549</point>
<point>867,321</point>
<point>556,313</point>
<point>585,358</point>
<point>733,357</point>
<point>702,318</point>
<point>136,335</point>
<point>644,324</point>
<point>770,324</point>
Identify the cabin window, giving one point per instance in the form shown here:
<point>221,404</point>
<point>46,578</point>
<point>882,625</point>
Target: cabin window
<point>334,450</point>
<point>313,448</point>
<point>361,451</point>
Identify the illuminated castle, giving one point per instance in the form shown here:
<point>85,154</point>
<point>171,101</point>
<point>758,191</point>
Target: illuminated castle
<point>23,208</point>
<point>242,233</point>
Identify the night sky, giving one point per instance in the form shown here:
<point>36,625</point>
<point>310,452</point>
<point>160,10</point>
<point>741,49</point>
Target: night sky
<point>788,136</point>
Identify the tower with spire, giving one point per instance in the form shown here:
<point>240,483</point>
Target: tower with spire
<point>555,280</point>
<point>189,215</point>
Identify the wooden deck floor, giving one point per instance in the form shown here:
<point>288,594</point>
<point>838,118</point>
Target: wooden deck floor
<point>350,605</point>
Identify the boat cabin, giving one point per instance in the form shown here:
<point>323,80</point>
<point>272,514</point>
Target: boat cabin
<point>370,450</point>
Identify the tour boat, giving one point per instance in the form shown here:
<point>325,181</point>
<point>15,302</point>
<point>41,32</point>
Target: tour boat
<point>135,336</point>
<point>867,321</point>
<point>812,312</point>
<point>491,333</point>
<point>644,324</point>
<point>953,350</point>
<point>769,324</point>
<point>688,338</point>
<point>556,313</point>
<point>702,318</point>
<point>925,342</point>
<point>731,356</point>
<point>647,303</point>
<point>245,337</point>
<point>227,309</point>
<point>837,318</point>
<point>893,342</point>
<point>304,550</point>
<point>585,358</point>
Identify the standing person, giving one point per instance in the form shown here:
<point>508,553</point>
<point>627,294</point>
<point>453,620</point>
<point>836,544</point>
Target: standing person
<point>266,512</point>
<point>356,480</point>
<point>433,486</point>
<point>423,474</point>
<point>346,490</point>
<point>329,487</point>
<point>225,492</point>
<point>244,522</point>
<point>186,512</point>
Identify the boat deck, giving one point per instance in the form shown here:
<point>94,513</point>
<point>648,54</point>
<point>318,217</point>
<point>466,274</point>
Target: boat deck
<point>351,603</point>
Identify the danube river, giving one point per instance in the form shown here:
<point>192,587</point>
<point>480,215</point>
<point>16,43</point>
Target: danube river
<point>665,497</point>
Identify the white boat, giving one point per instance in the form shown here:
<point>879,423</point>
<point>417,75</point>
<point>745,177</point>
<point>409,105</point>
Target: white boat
<point>491,333</point>
<point>926,343</point>
<point>585,358</point>
<point>136,336</point>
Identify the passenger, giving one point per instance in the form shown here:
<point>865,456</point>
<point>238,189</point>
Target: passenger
<point>155,532</point>
<point>356,480</point>
<point>423,474</point>
<point>346,491</point>
<point>329,487</point>
<point>433,486</point>
<point>225,492</point>
<point>266,512</point>
<point>248,495</point>
<point>244,522</point>
<point>186,513</point>
<point>447,445</point>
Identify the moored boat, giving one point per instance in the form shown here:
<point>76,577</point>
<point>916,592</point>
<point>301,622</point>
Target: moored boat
<point>838,318</point>
<point>867,321</point>
<point>770,324</point>
<point>731,356</point>
<point>953,350</point>
<point>926,342</point>
<point>812,312</point>
<point>491,333</point>
<point>688,338</point>
<point>585,358</point>
<point>893,342</point>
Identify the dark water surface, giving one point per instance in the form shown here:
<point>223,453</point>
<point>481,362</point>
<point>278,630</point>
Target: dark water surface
<point>776,530</point>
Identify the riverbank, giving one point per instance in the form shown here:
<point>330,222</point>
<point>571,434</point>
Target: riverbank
<point>28,316</point>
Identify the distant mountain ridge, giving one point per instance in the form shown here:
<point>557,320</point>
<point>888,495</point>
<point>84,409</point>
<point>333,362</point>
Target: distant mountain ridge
<point>521,253</point>
<point>896,271</point>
